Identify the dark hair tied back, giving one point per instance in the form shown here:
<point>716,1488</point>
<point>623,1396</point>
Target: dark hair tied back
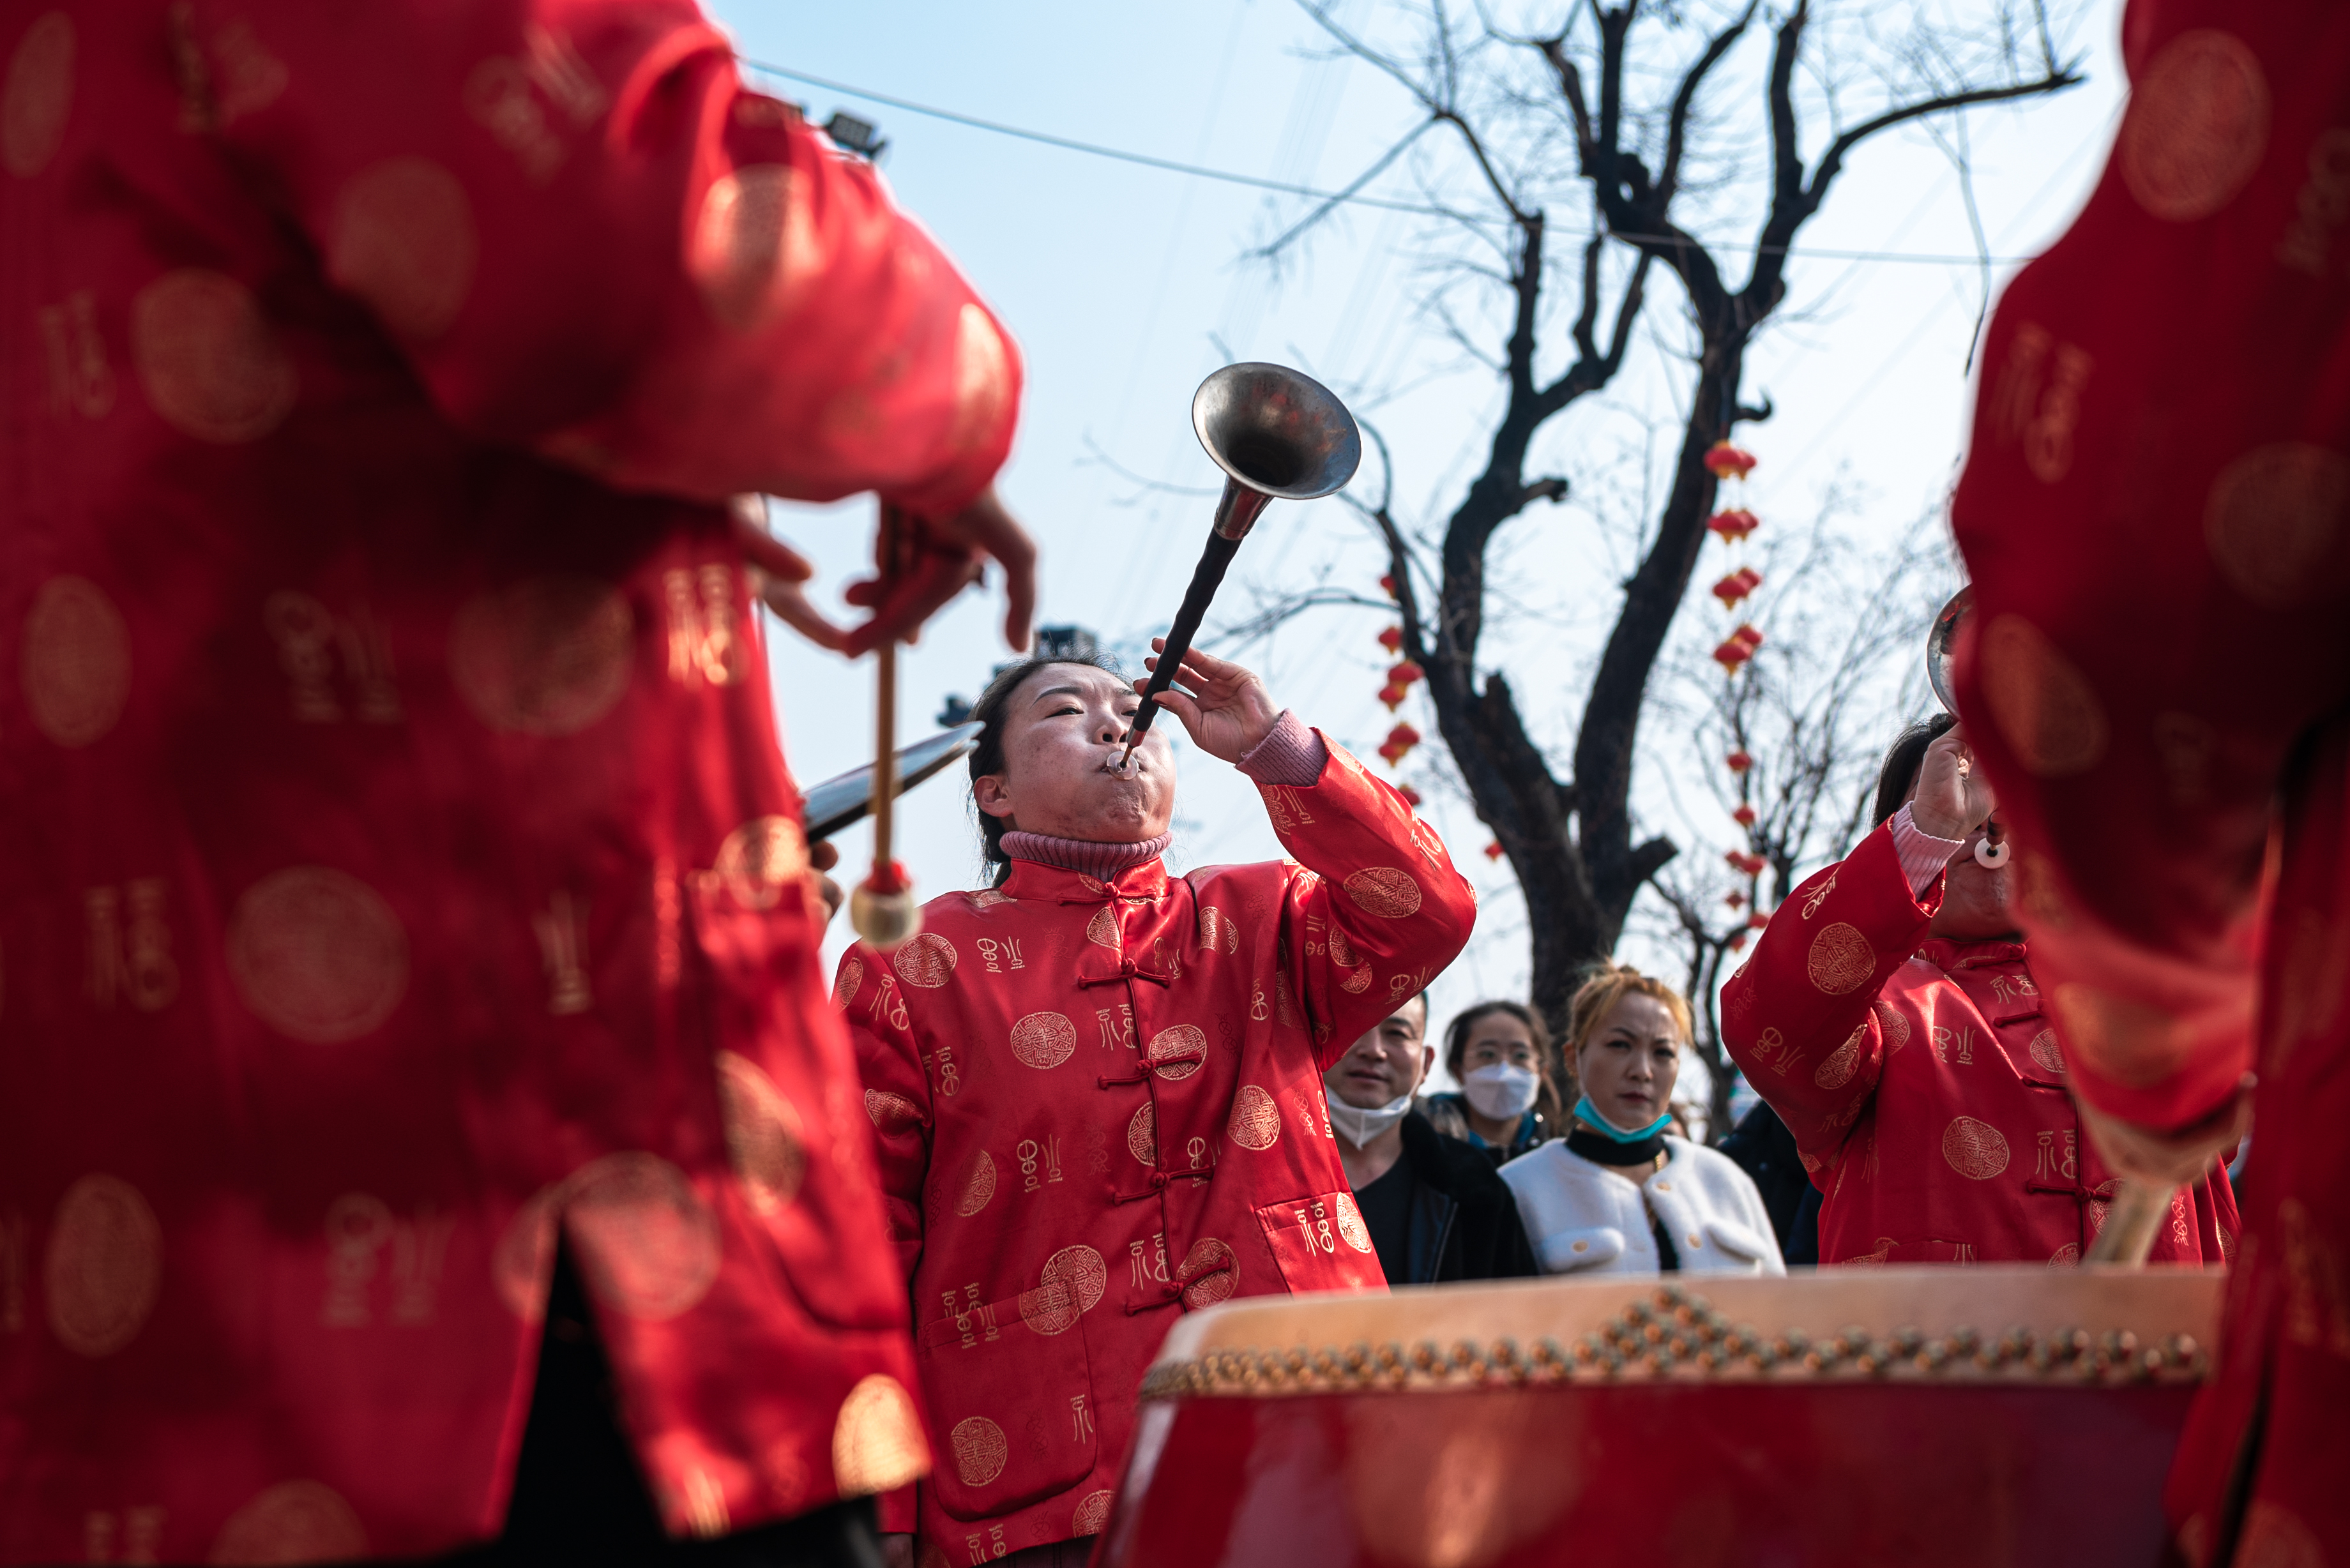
<point>1902,762</point>
<point>987,757</point>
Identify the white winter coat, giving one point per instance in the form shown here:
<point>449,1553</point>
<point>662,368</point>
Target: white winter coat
<point>1585,1218</point>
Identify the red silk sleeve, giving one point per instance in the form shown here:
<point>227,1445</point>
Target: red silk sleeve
<point>586,237</point>
<point>1376,910</point>
<point>2154,512</point>
<point>1805,993</point>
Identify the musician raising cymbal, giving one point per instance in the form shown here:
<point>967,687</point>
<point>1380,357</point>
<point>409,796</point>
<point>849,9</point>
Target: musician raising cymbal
<point>1890,1016</point>
<point>1097,1088</point>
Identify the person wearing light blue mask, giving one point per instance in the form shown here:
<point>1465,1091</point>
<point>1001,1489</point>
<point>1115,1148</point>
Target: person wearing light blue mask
<point>1499,1052</point>
<point>1620,1194</point>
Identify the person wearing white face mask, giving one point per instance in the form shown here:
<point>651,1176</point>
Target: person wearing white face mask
<point>1435,1210</point>
<point>1499,1052</point>
<point>1618,1194</point>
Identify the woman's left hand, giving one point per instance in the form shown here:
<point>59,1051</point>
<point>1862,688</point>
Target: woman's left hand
<point>1225,709</point>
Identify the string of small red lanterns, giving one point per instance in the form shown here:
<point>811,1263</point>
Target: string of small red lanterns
<point>1732,525</point>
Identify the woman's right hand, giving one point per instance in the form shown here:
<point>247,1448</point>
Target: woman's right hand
<point>1953,796</point>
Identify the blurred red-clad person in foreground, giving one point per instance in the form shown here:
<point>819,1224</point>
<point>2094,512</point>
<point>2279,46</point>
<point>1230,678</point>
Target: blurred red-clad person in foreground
<point>1098,1087</point>
<point>2154,510</point>
<point>400,888</point>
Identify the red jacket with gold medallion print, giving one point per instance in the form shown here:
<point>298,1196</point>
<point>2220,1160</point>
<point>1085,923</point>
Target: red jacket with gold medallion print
<point>1926,1085</point>
<point>397,862</point>
<point>1099,1106</point>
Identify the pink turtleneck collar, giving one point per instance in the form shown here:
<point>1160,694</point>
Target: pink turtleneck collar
<point>1099,861</point>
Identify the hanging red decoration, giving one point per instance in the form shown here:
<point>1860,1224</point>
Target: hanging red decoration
<point>1400,739</point>
<point>1404,674</point>
<point>1737,585</point>
<point>1392,638</point>
<point>1740,762</point>
<point>1758,921</point>
<point>1736,901</point>
<point>1494,850</point>
<point>1387,582</point>
<point>1410,796</point>
<point>1731,654</point>
<point>1737,941</point>
<point>1746,864</point>
<point>1743,816</point>
<point>1724,461</point>
<point>1747,635</point>
<point>1735,524</point>
<point>1393,695</point>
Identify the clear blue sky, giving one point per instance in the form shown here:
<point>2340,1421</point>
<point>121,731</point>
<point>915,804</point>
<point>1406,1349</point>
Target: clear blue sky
<point>1126,285</point>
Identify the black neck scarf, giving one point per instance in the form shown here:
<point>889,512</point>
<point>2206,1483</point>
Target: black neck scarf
<point>1601,1150</point>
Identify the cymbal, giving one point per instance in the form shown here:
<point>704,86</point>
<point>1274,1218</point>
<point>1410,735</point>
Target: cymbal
<point>847,798</point>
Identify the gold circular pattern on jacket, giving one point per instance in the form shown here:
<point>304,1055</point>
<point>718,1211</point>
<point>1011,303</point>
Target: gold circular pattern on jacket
<point>877,1438</point>
<point>1142,1134</point>
<point>211,367</point>
<point>1044,1039</point>
<point>317,954</point>
<point>1350,1224</point>
<point>754,247</point>
<point>1840,960</point>
<point>36,94</point>
<point>890,1112</point>
<point>2044,705</point>
<point>648,1243</point>
<point>852,980</point>
<point>1102,929</point>
<point>1896,1026</point>
<point>2197,127</point>
<point>293,1522</point>
<point>978,1185</point>
<point>2274,518</point>
<point>1384,891</point>
<point>1976,1149</point>
<point>1842,1063</point>
<point>1050,1309</point>
<point>76,668</point>
<point>1093,1513</point>
<point>402,239</point>
<point>983,381</point>
<point>1342,951</point>
<point>1210,1274</point>
<point>2045,1050</point>
<point>2067,1256</point>
<point>1255,1120</point>
<point>1080,1270</point>
<point>764,1137</point>
<point>979,1448</point>
<point>104,1267</point>
<point>1217,929</point>
<point>927,962</point>
<point>1177,1052</point>
<point>545,656</point>
<point>761,858</point>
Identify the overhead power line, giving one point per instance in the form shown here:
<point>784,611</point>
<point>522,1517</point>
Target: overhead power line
<point>1283,187</point>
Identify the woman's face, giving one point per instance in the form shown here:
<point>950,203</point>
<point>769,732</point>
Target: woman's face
<point>1064,732</point>
<point>1498,1037</point>
<point>1631,1062</point>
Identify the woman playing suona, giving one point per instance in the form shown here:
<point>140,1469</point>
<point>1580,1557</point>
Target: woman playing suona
<point>1098,1089</point>
<point>1499,1052</point>
<point>1618,1194</point>
<point>1889,1016</point>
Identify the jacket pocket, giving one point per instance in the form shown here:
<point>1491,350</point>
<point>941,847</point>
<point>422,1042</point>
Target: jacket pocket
<point>1569,1252</point>
<point>1322,1244</point>
<point>1741,1245</point>
<point>1011,1390</point>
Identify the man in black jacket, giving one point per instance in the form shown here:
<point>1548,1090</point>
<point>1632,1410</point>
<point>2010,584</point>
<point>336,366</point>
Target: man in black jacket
<point>1436,1209</point>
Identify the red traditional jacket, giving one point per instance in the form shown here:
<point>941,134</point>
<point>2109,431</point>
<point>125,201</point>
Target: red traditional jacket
<point>1100,1106</point>
<point>1926,1085</point>
<point>396,860</point>
<point>2153,509</point>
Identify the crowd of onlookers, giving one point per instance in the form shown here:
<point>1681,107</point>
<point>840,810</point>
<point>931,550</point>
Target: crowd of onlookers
<point>1504,1176</point>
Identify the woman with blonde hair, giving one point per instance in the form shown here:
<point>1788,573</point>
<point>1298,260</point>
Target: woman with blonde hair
<point>1618,1194</point>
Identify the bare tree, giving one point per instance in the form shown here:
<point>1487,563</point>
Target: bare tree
<point>1605,109</point>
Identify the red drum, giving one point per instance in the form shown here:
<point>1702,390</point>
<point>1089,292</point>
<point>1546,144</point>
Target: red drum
<point>1926,1416</point>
